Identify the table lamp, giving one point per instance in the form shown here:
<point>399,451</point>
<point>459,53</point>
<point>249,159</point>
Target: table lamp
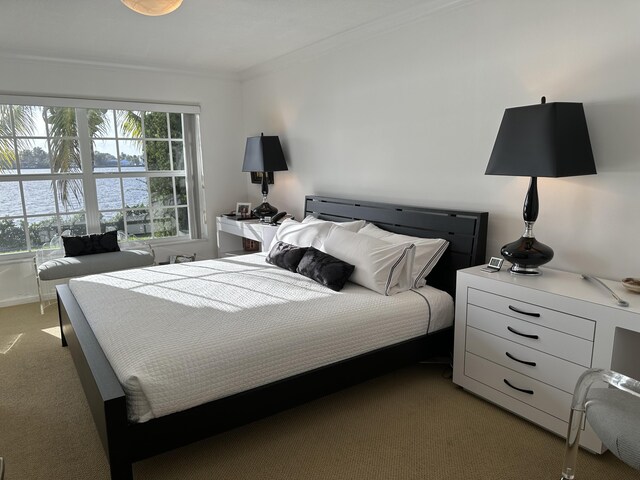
<point>264,154</point>
<point>545,140</point>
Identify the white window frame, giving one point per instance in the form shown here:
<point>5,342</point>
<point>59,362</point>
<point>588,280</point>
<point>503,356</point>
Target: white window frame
<point>192,173</point>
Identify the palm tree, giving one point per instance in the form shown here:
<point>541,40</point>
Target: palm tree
<point>64,149</point>
<point>23,121</point>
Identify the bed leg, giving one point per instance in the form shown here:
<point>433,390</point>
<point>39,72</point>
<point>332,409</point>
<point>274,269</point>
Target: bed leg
<point>62,337</point>
<point>121,470</point>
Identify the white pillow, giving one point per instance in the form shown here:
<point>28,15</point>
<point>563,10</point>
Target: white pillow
<point>379,264</point>
<point>301,234</point>
<point>352,226</point>
<point>427,253</point>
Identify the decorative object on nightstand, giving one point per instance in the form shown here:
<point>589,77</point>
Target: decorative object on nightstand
<point>494,265</point>
<point>264,154</point>
<point>243,210</point>
<point>632,284</point>
<point>619,301</point>
<point>546,140</point>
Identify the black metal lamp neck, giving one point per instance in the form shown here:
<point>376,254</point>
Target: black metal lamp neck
<point>530,210</point>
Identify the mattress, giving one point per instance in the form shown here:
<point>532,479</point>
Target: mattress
<point>185,334</point>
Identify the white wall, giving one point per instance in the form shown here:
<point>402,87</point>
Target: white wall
<point>411,116</point>
<point>220,123</point>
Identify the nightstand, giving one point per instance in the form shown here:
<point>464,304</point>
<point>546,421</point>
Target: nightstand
<point>230,233</point>
<point>522,342</point>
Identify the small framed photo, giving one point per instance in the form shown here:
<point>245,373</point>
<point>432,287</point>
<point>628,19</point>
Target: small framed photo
<point>182,258</point>
<point>243,210</point>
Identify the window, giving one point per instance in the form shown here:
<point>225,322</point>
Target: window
<point>88,169</point>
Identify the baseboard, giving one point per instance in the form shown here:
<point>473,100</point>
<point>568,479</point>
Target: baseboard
<point>10,302</point>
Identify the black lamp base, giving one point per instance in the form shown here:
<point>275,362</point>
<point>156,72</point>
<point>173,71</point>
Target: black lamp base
<point>265,211</point>
<point>526,254</point>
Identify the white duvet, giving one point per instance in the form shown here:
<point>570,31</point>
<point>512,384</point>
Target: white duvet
<point>181,335</point>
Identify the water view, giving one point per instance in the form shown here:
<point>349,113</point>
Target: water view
<point>39,194</point>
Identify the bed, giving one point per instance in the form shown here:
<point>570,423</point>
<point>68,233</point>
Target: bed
<point>132,427</point>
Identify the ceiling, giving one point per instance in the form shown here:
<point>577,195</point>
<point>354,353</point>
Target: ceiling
<point>220,36</point>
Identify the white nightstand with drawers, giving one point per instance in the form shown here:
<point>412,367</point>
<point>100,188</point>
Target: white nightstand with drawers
<point>521,342</point>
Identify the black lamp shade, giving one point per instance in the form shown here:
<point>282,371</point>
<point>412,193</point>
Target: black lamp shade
<point>546,140</point>
<point>263,154</point>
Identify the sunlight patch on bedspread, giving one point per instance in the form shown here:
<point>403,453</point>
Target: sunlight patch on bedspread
<point>223,286</point>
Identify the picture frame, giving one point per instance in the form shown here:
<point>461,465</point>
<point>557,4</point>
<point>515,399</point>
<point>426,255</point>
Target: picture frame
<point>182,258</point>
<point>243,209</point>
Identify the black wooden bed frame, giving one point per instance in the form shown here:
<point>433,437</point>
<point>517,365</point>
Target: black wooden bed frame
<point>126,443</point>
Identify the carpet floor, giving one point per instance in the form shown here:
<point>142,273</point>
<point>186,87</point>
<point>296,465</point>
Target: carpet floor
<point>411,424</point>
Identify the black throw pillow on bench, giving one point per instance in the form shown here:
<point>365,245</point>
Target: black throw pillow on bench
<point>90,244</point>
<point>325,269</point>
<point>286,256</point>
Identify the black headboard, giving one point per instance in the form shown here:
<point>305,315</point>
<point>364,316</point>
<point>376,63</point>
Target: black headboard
<point>465,231</point>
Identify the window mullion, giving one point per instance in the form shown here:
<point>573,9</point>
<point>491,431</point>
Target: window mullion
<point>88,181</point>
<point>194,204</point>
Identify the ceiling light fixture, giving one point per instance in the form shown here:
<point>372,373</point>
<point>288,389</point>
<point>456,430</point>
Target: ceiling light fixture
<point>153,8</point>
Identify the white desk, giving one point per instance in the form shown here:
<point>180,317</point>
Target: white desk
<point>231,231</point>
<point>563,325</point>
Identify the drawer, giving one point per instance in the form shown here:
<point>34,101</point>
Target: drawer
<point>542,396</point>
<point>553,342</point>
<point>546,368</point>
<point>564,322</point>
<point>252,231</point>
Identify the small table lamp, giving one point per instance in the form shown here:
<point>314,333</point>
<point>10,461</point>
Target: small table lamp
<point>546,140</point>
<point>264,154</point>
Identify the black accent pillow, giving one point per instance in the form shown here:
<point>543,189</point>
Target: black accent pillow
<point>287,256</point>
<point>90,244</point>
<point>325,269</point>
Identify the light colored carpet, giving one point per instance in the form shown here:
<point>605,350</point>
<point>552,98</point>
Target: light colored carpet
<point>412,424</point>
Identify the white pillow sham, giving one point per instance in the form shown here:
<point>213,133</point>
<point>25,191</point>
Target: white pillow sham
<point>301,234</point>
<point>352,226</point>
<point>427,252</point>
<point>379,264</point>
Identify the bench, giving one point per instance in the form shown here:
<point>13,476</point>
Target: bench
<point>51,266</point>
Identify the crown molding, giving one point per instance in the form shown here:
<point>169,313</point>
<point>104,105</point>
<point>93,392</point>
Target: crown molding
<point>39,59</point>
<point>371,29</point>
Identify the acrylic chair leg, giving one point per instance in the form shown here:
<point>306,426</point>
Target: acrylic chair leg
<point>573,444</point>
<point>39,287</point>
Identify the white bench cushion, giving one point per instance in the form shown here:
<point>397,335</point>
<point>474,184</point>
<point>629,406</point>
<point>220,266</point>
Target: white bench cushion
<point>97,263</point>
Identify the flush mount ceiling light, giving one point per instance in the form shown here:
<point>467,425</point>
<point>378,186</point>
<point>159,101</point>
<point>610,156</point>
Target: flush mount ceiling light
<point>153,8</point>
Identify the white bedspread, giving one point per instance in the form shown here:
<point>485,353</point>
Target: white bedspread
<point>181,335</point>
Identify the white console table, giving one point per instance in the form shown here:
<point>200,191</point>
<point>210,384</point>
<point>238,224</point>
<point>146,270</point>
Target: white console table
<point>521,342</point>
<point>230,233</point>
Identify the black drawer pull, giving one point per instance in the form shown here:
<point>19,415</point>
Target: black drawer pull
<point>529,392</point>
<point>531,314</point>
<point>513,330</point>
<point>531,364</point>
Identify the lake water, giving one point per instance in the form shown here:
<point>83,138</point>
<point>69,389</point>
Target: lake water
<point>39,196</point>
